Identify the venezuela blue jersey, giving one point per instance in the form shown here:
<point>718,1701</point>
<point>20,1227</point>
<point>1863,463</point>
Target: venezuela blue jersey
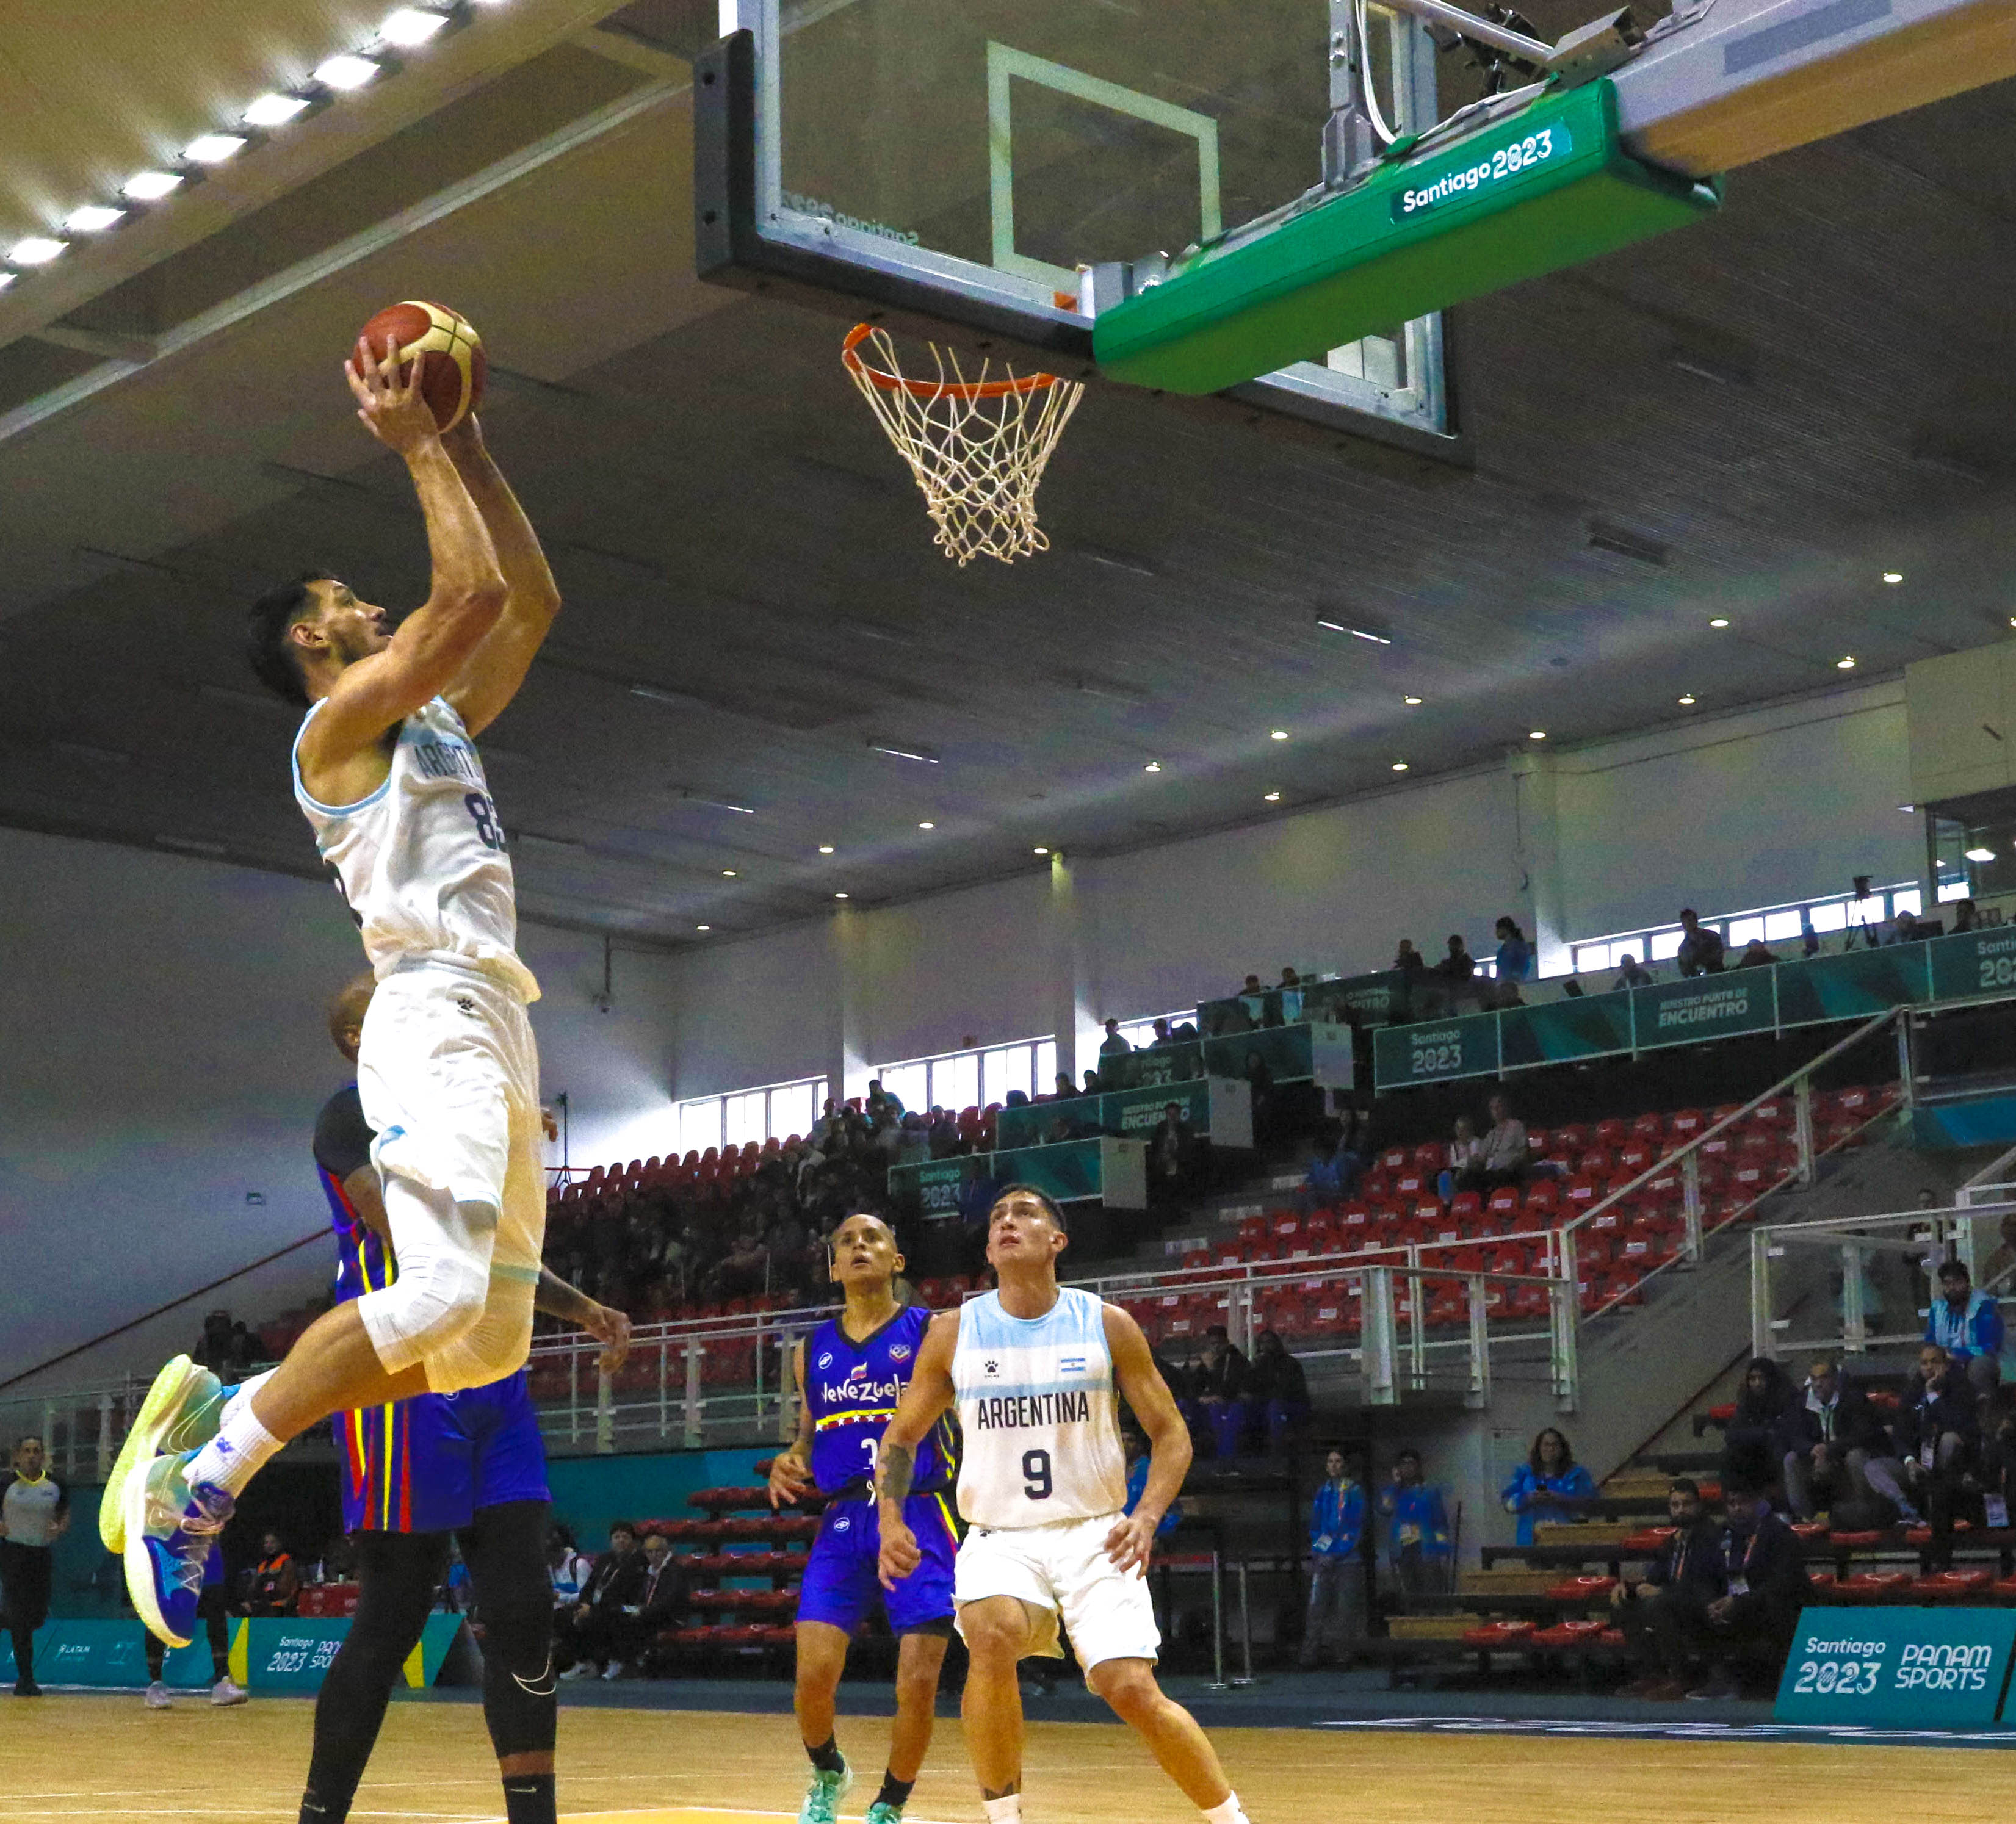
<point>851,1389</point>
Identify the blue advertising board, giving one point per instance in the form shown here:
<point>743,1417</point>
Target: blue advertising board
<point>1900,1667</point>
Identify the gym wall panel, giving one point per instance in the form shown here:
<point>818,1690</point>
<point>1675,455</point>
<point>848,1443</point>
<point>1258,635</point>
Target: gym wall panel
<point>766,1010</point>
<point>1773,804</point>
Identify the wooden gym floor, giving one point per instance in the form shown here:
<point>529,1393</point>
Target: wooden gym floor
<point>107,1759</point>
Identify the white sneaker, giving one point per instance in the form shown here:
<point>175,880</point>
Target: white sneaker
<point>158,1697</point>
<point>613,1670</point>
<point>580,1669</point>
<point>224,1694</point>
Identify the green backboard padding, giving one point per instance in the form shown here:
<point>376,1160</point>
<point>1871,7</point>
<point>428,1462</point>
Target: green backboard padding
<point>1550,188</point>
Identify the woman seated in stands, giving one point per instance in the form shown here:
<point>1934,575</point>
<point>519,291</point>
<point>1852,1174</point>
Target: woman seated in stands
<point>1760,1406</point>
<point>1550,1485</point>
<point>1464,1170</point>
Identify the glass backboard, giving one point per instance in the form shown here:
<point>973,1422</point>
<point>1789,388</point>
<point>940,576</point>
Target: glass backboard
<point>992,149</point>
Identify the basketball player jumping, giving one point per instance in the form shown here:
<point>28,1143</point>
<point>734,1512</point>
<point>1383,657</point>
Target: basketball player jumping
<point>387,776</point>
<point>1035,1370</point>
<point>851,1373</point>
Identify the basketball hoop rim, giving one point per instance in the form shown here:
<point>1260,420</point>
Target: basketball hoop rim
<point>890,382</point>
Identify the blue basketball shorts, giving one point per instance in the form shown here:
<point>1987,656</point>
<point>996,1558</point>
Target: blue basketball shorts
<point>427,1465</point>
<point>840,1581</point>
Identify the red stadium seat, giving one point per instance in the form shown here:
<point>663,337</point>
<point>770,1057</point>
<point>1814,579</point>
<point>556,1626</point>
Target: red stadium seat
<point>1649,1129</point>
<point>1610,1131</point>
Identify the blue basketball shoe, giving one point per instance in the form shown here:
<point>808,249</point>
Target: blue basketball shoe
<point>170,1528</point>
<point>181,1411</point>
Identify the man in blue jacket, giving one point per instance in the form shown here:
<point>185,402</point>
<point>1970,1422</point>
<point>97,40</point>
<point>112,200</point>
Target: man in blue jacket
<point>1967,1324</point>
<point>1419,1542</point>
<point>1337,1575</point>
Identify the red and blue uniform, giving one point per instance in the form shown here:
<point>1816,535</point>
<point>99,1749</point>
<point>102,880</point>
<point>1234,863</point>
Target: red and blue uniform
<point>427,1464</point>
<point>851,1391</point>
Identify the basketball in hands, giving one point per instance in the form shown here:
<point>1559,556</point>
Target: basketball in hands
<point>447,347</point>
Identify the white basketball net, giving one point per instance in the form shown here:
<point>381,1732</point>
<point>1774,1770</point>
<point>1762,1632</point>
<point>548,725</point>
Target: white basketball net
<point>978,446</point>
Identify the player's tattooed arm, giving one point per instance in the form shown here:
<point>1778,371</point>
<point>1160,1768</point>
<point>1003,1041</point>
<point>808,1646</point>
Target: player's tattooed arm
<point>895,1469</point>
<point>791,1468</point>
<point>609,1326</point>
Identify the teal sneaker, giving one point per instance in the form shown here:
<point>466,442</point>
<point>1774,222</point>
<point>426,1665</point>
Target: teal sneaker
<point>181,1412</point>
<point>883,1812</point>
<point>822,1796</point>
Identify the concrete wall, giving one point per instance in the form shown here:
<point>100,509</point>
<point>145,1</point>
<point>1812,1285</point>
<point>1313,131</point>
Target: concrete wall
<point>1723,813</point>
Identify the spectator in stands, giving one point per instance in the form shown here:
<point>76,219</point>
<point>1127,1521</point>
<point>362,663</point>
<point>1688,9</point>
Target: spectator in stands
<point>661,1604</point>
<point>1749,1627</point>
<point>567,1568</point>
<point>1161,1029</point>
<point>1260,1083</point>
<point>1172,1157</point>
<point>1138,1466</point>
<point>1113,1045</point>
<point>1826,1439</point>
<point>1289,978</point>
<point>1064,1089</point>
<point>593,1628</point>
<point>1335,1167</point>
<point>1550,1486</point>
<point>1418,1543</point>
<point>1336,1618</point>
<point>1667,1610</point>
<point>1906,929</point>
<point>1464,1170</point>
<point>1967,1324</point>
<point>1933,1436</point>
<point>1252,985</point>
<point>1409,962</point>
<point>1761,1403</point>
<point>1631,973</point>
<point>1515,955</point>
<point>1755,954</point>
<point>1455,971</point>
<point>1186,1033</point>
<point>272,1586</point>
<point>1504,1144</point>
<point>1219,1398</point>
<point>1967,916</point>
<point>828,1120</point>
<point>881,1106</point>
<point>1700,950</point>
<point>1278,1392</point>
<point>1092,1085</point>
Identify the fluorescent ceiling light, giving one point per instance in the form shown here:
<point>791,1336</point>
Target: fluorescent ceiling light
<point>150,186</point>
<point>1378,639</point>
<point>1156,765</point>
<point>275,109</point>
<point>927,826</point>
<point>839,896</point>
<point>1399,766</point>
<point>896,752</point>
<point>411,25</point>
<point>1893,576</point>
<point>1278,734</point>
<point>1979,854</point>
<point>346,71</point>
<point>728,873</point>
<point>703,928</point>
<point>826,848</point>
<point>1042,850</point>
<point>1537,735</point>
<point>1720,620</point>
<point>93,218</point>
<point>36,251</point>
<point>1844,664</point>
<point>214,148</point>
<point>1687,702</point>
<point>1412,702</point>
<point>1273,797</point>
<point>717,803</point>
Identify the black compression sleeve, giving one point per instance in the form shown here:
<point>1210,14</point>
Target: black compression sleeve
<point>342,1135</point>
<point>506,1549</point>
<point>397,1573</point>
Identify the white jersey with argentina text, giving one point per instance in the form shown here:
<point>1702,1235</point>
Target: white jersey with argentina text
<point>421,863</point>
<point>1039,1412</point>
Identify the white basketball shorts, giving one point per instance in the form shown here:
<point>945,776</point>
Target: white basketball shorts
<point>1063,1568</point>
<point>448,1077</point>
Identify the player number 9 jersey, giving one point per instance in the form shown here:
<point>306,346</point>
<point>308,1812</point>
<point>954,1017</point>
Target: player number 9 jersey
<point>1038,1413</point>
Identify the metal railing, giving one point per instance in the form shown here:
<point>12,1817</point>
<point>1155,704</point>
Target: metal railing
<point>1954,1230</point>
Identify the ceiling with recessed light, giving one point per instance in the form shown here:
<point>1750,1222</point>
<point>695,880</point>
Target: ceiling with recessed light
<point>768,691</point>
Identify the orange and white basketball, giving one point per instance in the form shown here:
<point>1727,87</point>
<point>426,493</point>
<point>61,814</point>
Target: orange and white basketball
<point>447,346</point>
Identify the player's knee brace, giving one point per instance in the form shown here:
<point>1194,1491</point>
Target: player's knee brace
<point>519,1703</point>
<point>445,1251</point>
